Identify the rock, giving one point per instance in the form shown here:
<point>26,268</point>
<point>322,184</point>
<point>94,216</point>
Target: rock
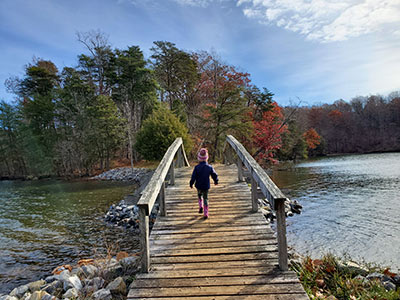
<point>26,296</point>
<point>331,297</point>
<point>102,294</point>
<point>130,262</point>
<point>117,286</point>
<point>93,285</point>
<point>38,295</point>
<point>72,282</point>
<point>36,285</point>
<point>353,268</point>
<point>89,271</point>
<point>396,280</point>
<point>389,286</point>
<point>53,286</point>
<point>377,276</point>
<point>71,293</point>
<point>49,297</point>
<point>19,291</point>
<point>7,297</point>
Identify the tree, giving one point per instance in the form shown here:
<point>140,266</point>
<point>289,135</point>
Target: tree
<point>159,131</point>
<point>225,111</point>
<point>176,72</point>
<point>133,89</point>
<point>267,133</point>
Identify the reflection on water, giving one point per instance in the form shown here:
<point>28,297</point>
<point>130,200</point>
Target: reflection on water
<point>44,224</point>
<point>350,205</point>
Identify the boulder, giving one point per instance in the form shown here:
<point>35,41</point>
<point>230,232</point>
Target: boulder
<point>93,285</point>
<point>72,282</point>
<point>36,285</point>
<point>39,295</point>
<point>89,271</point>
<point>52,287</point>
<point>7,297</point>
<point>26,296</point>
<point>102,294</point>
<point>71,293</point>
<point>117,286</point>
<point>19,291</point>
<point>396,280</point>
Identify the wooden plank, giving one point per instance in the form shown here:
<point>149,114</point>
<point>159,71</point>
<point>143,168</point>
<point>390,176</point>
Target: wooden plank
<point>256,289</point>
<point>211,245</point>
<point>213,231</point>
<point>215,258</point>
<point>294,296</point>
<point>214,265</point>
<point>289,277</point>
<point>210,239</point>
<point>215,251</point>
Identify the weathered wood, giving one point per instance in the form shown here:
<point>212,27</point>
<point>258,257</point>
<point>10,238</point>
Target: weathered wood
<point>231,255</point>
<point>144,239</point>
<point>281,229</point>
<point>254,199</point>
<point>172,174</point>
<point>161,200</point>
<point>240,169</point>
<point>270,191</point>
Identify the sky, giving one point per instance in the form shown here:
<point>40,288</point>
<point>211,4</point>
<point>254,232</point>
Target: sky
<point>313,51</point>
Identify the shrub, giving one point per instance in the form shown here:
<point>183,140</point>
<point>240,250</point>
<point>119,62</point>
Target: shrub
<point>158,132</point>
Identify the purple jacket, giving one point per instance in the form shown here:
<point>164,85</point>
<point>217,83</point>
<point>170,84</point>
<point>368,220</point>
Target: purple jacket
<point>201,176</point>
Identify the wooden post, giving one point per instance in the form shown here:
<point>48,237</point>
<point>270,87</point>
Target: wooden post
<point>161,198</point>
<point>281,229</point>
<point>240,169</point>
<point>254,198</point>
<point>144,239</point>
<point>180,158</point>
<point>172,173</point>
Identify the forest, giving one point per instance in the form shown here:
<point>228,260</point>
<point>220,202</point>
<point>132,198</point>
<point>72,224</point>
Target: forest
<point>117,105</point>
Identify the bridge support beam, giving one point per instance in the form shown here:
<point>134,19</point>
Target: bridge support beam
<point>144,240</point>
<point>281,230</point>
<point>254,198</point>
<point>161,199</point>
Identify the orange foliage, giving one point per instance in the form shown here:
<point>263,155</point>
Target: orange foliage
<point>312,138</point>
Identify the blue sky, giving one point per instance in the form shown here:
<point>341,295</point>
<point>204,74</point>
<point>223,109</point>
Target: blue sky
<point>318,51</point>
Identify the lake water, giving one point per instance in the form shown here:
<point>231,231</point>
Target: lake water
<point>44,224</point>
<point>351,205</point>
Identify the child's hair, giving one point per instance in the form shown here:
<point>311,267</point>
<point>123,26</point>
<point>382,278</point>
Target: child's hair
<point>202,155</point>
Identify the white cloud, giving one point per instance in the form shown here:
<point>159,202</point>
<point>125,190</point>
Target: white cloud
<point>327,20</point>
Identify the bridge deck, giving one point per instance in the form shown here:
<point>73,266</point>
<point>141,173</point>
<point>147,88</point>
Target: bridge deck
<point>232,255</point>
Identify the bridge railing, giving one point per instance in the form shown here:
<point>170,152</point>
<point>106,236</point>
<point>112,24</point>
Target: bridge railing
<point>259,178</point>
<point>156,190</point>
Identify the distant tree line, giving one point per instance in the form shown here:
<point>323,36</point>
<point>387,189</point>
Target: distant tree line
<point>115,104</point>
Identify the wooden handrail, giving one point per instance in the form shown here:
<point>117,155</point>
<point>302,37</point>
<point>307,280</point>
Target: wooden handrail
<point>274,195</point>
<point>154,190</point>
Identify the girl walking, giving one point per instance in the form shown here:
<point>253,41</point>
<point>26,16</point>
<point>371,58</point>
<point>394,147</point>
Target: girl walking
<point>201,179</point>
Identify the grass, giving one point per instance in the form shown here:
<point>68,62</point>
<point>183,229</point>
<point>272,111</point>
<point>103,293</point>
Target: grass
<point>328,278</point>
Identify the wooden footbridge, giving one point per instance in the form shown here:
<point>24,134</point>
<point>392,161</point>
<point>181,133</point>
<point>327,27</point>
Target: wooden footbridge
<point>233,254</point>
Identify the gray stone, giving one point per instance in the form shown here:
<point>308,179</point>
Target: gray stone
<point>389,286</point>
<point>48,297</point>
<point>19,291</point>
<point>26,296</point>
<point>36,285</point>
<point>71,293</point>
<point>117,286</point>
<point>53,286</point>
<point>72,282</point>
<point>378,276</point>
<point>7,297</point>
<point>102,294</point>
<point>396,279</point>
<point>38,295</point>
<point>51,278</point>
<point>361,278</point>
<point>130,262</point>
<point>89,271</point>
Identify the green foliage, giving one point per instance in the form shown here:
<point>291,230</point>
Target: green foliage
<point>159,131</point>
<point>327,276</point>
<point>294,146</point>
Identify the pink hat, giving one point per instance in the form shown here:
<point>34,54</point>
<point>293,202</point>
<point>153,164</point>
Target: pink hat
<point>202,155</point>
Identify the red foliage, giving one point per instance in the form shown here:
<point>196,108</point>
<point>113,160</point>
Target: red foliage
<point>267,133</point>
<point>312,138</point>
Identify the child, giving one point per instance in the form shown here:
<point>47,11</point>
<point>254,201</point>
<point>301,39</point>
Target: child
<point>201,175</point>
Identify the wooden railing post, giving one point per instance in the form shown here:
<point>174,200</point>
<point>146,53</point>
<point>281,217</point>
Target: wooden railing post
<point>180,158</point>
<point>240,169</point>
<point>254,198</point>
<point>144,239</point>
<point>281,230</point>
<point>161,198</point>
<point>172,174</point>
